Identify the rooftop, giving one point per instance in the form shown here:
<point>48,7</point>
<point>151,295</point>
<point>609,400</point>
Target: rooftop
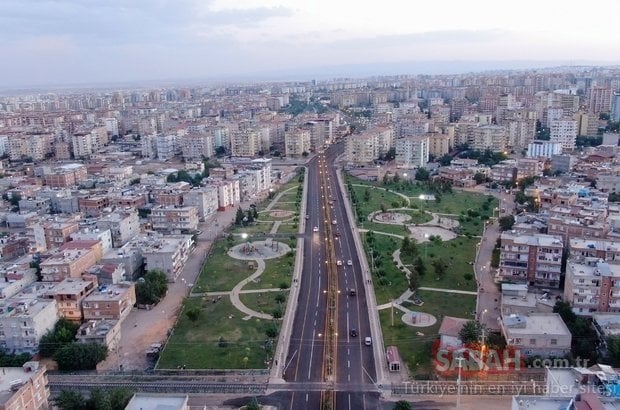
<point>152,401</point>
<point>14,376</point>
<point>536,323</point>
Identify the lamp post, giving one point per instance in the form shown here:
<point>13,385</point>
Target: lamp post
<point>426,246</point>
<point>458,384</point>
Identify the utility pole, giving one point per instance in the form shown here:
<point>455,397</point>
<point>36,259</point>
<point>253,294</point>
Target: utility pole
<point>458,384</point>
<point>392,306</point>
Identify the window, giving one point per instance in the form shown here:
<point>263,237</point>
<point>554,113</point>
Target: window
<point>533,342</point>
<point>553,342</point>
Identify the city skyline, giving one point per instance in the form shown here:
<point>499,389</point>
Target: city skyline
<point>73,42</point>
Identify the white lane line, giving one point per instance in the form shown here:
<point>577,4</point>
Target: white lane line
<point>311,353</point>
<point>348,363</point>
<point>307,398</point>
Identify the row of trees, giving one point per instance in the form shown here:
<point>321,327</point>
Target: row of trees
<point>151,288</point>
<point>114,399</point>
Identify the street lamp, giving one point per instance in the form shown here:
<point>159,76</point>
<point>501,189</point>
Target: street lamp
<point>426,246</point>
<point>244,236</point>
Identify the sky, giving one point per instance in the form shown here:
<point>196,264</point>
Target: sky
<point>102,41</point>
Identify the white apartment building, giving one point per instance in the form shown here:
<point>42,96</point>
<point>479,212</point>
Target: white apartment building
<point>23,321</point>
<point>412,152</point>
<point>196,146</point>
<point>111,125</point>
<point>296,142</point>
<point>165,146</point>
<point>174,218</point>
<point>167,254</point>
<point>564,132</point>
<point>148,146</point>
<point>123,226</point>
<point>204,199</point>
<point>545,149</point>
<point>592,285</point>
<point>228,193</point>
<point>87,234</point>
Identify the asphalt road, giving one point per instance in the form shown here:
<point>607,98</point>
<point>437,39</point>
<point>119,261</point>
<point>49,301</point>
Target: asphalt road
<point>355,363</point>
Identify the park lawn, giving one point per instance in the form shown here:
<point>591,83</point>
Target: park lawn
<point>257,227</point>
<point>277,272</point>
<point>196,344</point>
<point>266,215</point>
<point>221,272</point>
<point>288,227</point>
<point>457,202</point>
<point>457,253</point>
<point>264,302</point>
<point>414,349</point>
<point>282,205</point>
<point>394,282</point>
<point>376,198</point>
<point>387,228</point>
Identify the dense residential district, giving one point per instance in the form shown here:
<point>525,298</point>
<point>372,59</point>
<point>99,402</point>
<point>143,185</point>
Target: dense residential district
<point>385,242</point>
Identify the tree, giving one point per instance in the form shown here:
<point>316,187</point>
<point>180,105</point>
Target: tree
<point>506,222</point>
<point>402,405</point>
<point>479,177</point>
<point>239,216</point>
<point>119,397</point>
<point>440,267</point>
<point>470,332</point>
<point>419,266</point>
<point>422,174</point>
<point>445,160</point>
<point>70,400</point>
<point>193,314</point>
<point>253,405</point>
<point>62,334</point>
<point>151,287</point>
<point>80,356</point>
<point>613,349</point>
<point>414,281</point>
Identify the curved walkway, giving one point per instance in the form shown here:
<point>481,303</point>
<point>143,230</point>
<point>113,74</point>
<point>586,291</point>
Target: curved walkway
<point>234,293</point>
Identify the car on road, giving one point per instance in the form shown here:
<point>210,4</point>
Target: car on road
<point>339,262</point>
<point>352,292</point>
<point>367,341</point>
<point>334,222</point>
<point>307,216</point>
<point>349,262</point>
<point>315,229</point>
<point>353,333</point>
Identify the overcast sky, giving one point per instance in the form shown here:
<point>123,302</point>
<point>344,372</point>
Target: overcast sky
<point>97,41</point>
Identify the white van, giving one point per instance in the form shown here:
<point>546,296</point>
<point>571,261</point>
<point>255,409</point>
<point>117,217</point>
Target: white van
<point>367,341</point>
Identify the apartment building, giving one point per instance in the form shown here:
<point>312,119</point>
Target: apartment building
<point>69,295</point>
<point>110,302</point>
<point>167,254</point>
<point>123,225</point>
<point>592,285</point>
<point>93,206</point>
<point>204,199</point>
<point>564,132</point>
<point>174,218</point>
<point>537,334</point>
<point>601,249</point>
<point>568,227</point>
<point>106,332</point>
<point>67,264</point>
<point>228,193</point>
<point>14,277</point>
<point>535,260</point>
<point>24,319</point>
<point>66,176</point>
<point>89,235</point>
<point>197,146</point>
<point>369,145</point>
<point>412,152</point>
<point>170,195</point>
<point>440,144</point>
<point>599,100</point>
<point>493,137</point>
<point>245,143</point>
<point>545,149</point>
<point>504,171</point>
<point>166,146</point>
<point>24,388</point>
<point>296,142</point>
<point>59,233</point>
<point>108,273</point>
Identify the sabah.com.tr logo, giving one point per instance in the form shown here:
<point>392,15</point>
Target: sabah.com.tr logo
<point>475,358</point>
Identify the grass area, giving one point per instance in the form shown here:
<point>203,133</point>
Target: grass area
<point>284,206</point>
<point>387,228</point>
<point>416,349</point>
<point>287,227</point>
<point>392,283</point>
<point>196,344</point>
<point>277,271</point>
<point>221,272</point>
<point>371,198</point>
<point>257,227</point>
<point>457,253</point>
<point>266,216</point>
<point>265,302</point>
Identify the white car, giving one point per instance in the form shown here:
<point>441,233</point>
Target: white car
<point>339,262</point>
<point>367,341</point>
<point>350,262</point>
<point>316,229</point>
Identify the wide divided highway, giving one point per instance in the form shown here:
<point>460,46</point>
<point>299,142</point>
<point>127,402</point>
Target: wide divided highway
<point>329,344</point>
